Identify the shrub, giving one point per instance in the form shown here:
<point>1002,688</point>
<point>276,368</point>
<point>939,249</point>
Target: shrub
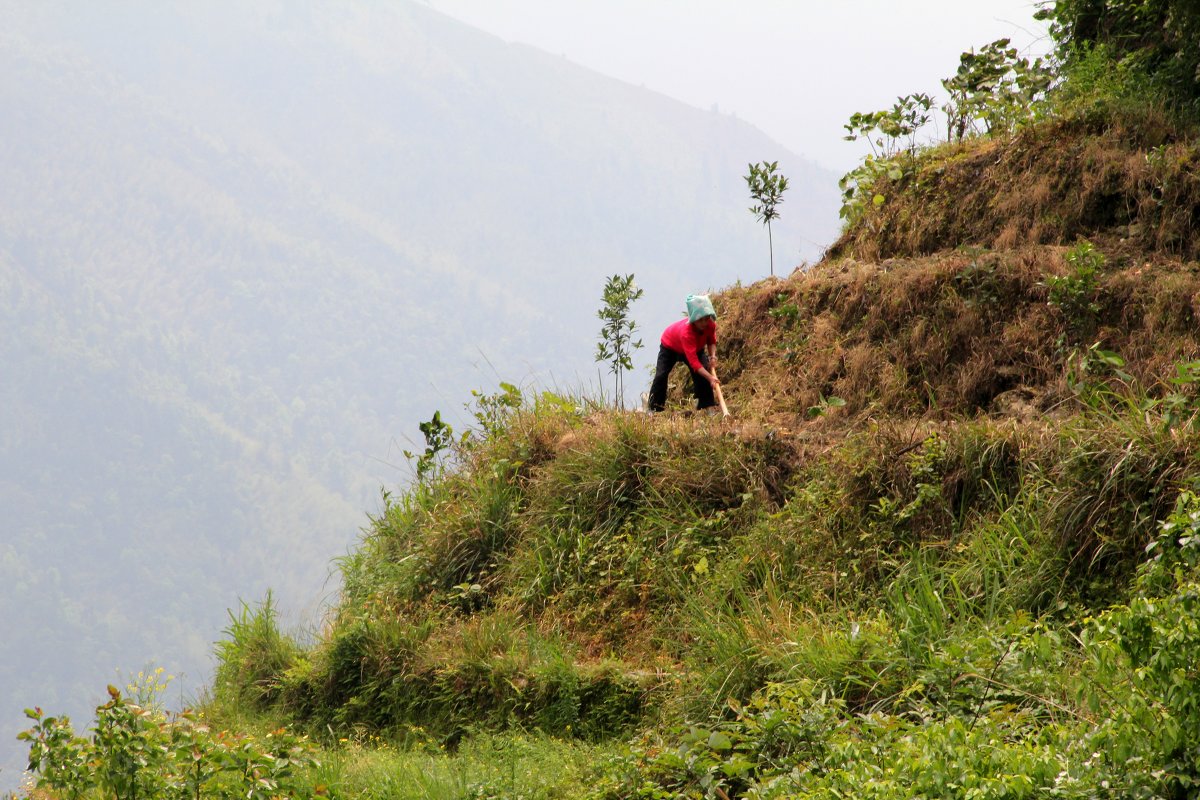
<point>1159,39</point>
<point>1074,294</point>
<point>252,658</point>
<point>135,753</point>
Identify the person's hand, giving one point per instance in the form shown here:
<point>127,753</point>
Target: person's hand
<point>712,379</point>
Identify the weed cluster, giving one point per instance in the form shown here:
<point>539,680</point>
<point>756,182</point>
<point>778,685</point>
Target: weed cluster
<point>1088,142</point>
<point>805,607</point>
<point>1053,183</point>
<point>497,593</point>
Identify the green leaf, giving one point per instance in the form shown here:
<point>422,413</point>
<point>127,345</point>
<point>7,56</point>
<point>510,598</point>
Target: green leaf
<point>719,741</point>
<point>737,767</point>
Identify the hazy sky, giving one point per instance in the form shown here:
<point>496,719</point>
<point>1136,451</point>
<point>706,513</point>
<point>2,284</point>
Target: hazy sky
<point>797,69</point>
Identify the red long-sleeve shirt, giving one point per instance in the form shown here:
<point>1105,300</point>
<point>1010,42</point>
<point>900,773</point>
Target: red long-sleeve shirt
<point>682,337</point>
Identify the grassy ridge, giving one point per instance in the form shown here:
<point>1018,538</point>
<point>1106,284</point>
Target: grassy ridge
<point>928,587</point>
<point>946,548</point>
<point>891,596</point>
<point>899,586</point>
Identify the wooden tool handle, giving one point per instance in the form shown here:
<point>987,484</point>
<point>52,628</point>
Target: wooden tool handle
<point>720,398</point>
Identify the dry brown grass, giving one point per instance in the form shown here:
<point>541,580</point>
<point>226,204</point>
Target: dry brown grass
<point>946,334</point>
<point>1051,184</point>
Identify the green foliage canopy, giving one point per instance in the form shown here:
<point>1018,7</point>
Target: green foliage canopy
<point>1160,37</point>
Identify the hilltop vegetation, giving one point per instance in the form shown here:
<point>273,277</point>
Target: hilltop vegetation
<point>947,547</point>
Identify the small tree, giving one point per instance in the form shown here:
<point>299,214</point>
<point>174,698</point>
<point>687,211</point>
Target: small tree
<point>994,87</point>
<point>439,437</point>
<point>766,188</point>
<point>886,130</point>
<point>616,343</point>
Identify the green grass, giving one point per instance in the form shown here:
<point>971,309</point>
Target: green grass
<point>252,659</point>
<point>515,766</point>
<point>925,586</point>
<point>970,606</point>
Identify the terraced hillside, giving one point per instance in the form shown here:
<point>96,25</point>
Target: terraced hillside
<point>946,546</point>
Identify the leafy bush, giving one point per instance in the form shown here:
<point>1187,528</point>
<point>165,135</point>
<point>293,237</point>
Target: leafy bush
<point>996,89</point>
<point>1075,294</point>
<point>793,740</point>
<point>766,186</point>
<point>1175,553</point>
<point>439,438</point>
<point>136,753</point>
<point>885,130</point>
<point>1159,38</point>
<point>492,412</point>
<point>1142,659</point>
<point>993,91</point>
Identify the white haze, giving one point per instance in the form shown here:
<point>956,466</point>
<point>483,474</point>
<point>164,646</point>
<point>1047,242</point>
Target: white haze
<point>797,69</point>
<point>246,247</point>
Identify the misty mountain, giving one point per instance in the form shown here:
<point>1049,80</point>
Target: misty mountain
<point>244,248</point>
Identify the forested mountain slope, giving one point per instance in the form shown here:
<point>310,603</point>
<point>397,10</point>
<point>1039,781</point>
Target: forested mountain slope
<point>243,251</point>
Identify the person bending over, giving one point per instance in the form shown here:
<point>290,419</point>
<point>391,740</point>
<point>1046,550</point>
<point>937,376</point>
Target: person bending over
<point>693,340</point>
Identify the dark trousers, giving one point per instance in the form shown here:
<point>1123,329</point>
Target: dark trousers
<point>667,359</point>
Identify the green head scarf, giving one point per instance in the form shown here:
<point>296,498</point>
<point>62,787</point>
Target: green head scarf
<point>699,307</point>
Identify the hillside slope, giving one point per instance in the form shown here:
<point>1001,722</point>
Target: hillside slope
<point>945,547</point>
